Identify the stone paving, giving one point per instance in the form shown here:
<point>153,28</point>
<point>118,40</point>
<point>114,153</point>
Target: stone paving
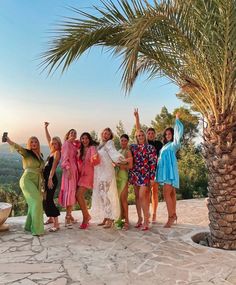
<point>113,257</point>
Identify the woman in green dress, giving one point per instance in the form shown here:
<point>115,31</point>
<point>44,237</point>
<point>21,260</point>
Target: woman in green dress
<point>31,182</point>
<point>122,179</point>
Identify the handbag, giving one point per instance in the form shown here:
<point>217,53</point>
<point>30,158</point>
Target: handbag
<point>95,159</point>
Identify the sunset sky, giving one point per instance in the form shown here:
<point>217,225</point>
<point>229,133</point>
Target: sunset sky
<point>87,97</point>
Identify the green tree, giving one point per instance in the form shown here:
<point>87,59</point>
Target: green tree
<point>192,172</point>
<point>193,44</point>
<point>166,119</point>
<point>94,136</point>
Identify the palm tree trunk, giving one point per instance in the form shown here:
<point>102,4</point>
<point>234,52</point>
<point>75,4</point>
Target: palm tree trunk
<point>220,154</point>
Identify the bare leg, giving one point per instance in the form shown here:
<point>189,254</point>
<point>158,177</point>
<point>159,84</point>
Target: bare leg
<point>124,203</point>
<point>154,201</point>
<point>138,205</point>
<point>83,206</point>
<point>169,202</point>
<point>173,197</point>
<point>56,223</point>
<point>145,202</point>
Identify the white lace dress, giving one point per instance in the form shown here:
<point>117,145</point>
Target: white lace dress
<point>105,199</point>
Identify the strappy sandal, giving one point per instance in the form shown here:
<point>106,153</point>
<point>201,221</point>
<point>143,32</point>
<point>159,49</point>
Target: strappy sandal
<point>109,224</point>
<point>53,229</point>
<point>126,226</point>
<point>103,222</point>
<point>49,221</point>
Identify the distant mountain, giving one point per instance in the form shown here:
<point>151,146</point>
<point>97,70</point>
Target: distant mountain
<point>7,152</point>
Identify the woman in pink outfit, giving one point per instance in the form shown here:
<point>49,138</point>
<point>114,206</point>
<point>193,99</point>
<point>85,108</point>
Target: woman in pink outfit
<point>70,175</point>
<point>86,171</point>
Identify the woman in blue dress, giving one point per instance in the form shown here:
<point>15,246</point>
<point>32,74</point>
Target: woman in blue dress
<point>167,168</point>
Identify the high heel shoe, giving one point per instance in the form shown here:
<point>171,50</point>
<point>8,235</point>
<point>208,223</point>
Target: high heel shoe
<point>145,228</point>
<point>125,226</point>
<point>171,221</point>
<point>109,224</point>
<point>68,222</point>
<point>83,226</point>
<point>154,218</point>
<point>103,222</point>
<point>139,223</point>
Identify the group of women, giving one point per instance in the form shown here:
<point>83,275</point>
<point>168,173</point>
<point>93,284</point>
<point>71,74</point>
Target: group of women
<point>108,172</point>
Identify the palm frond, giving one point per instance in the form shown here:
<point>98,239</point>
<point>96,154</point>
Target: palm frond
<point>193,43</point>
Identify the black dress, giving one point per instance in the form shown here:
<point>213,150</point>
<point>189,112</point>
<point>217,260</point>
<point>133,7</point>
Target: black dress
<point>157,144</point>
<point>48,204</point>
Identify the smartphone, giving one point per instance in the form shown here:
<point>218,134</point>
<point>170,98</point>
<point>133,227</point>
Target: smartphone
<point>4,137</point>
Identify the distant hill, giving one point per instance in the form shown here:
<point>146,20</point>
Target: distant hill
<point>7,153</point>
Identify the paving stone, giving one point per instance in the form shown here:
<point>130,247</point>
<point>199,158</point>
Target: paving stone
<point>47,275</point>
<point>113,257</point>
<point>24,282</point>
<point>29,268</point>
<point>60,281</point>
<point>11,277</point>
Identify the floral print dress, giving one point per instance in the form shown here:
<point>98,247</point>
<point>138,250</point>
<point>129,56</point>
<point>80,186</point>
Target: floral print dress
<point>145,160</point>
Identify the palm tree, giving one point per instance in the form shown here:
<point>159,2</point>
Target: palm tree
<point>193,43</point>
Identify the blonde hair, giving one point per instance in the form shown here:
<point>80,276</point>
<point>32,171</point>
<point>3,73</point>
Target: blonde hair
<point>29,142</point>
<point>136,135</point>
<point>110,131</point>
<point>67,134</point>
<point>58,140</point>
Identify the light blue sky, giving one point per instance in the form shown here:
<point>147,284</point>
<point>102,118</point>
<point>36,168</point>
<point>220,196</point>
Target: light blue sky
<point>87,97</point>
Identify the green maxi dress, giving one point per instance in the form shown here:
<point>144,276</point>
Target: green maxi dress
<point>30,184</point>
<point>121,175</point>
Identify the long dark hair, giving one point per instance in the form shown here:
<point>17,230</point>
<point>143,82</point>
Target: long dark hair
<point>164,135</point>
<point>91,142</point>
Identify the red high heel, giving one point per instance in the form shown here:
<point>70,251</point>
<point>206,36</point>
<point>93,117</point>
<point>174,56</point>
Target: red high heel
<point>83,226</point>
<point>145,229</point>
<point>138,225</point>
<point>171,221</point>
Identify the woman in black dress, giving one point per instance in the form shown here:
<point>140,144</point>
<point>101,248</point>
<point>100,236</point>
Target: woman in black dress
<point>50,180</point>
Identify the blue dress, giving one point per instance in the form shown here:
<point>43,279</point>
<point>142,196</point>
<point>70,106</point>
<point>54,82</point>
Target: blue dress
<point>167,167</point>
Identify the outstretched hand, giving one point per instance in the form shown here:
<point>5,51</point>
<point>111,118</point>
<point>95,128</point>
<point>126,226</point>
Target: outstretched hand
<point>136,114</point>
<point>177,115</point>
<point>46,124</point>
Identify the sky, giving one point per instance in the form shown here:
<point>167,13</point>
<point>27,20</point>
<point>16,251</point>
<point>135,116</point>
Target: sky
<point>87,97</point>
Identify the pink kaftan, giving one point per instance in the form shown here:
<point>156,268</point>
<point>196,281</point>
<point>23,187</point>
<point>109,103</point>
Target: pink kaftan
<point>69,186</point>
<point>86,169</point>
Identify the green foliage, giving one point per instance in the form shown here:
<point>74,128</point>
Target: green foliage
<point>193,173</point>
<point>166,119</point>
<point>12,194</point>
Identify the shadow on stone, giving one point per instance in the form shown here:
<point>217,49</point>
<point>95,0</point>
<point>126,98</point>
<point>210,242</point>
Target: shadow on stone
<point>202,238</point>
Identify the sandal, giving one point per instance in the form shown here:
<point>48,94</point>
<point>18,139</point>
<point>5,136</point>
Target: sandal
<point>53,229</point>
<point>154,219</point>
<point>49,221</point>
<point>109,224</point>
<point>126,226</point>
<point>103,222</point>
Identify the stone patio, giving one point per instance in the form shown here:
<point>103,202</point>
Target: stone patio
<point>98,256</point>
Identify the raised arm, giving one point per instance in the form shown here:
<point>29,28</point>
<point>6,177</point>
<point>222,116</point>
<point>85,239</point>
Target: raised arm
<point>178,132</point>
<point>22,151</point>
<point>137,121</point>
<point>47,133</point>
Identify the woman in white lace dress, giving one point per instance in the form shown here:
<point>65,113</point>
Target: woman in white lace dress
<point>105,199</point>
